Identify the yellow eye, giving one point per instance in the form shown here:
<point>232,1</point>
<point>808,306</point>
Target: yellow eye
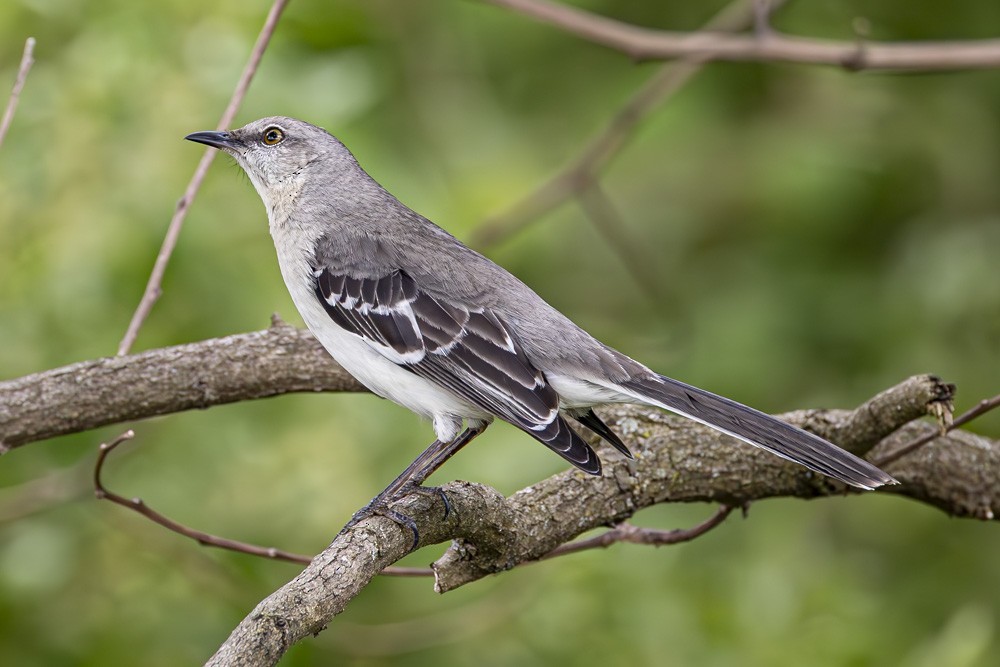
<point>272,136</point>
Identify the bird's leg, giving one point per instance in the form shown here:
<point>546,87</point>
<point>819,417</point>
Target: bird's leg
<point>410,480</point>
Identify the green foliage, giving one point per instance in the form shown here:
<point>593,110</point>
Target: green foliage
<point>815,235</point>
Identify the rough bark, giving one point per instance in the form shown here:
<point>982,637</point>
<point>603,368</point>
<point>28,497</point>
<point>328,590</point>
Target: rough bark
<point>677,461</point>
<point>111,390</point>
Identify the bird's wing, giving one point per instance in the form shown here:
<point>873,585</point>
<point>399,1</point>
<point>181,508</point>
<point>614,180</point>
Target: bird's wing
<point>469,351</point>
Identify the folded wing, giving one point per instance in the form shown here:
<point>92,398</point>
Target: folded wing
<point>468,351</point>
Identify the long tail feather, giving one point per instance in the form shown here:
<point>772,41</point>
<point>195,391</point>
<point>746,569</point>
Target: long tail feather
<point>758,429</point>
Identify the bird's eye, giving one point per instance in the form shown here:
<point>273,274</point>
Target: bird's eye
<point>272,136</point>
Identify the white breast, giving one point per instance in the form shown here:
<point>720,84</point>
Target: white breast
<point>358,357</point>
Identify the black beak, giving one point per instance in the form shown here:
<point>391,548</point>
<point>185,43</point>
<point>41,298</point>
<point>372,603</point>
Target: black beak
<point>214,139</point>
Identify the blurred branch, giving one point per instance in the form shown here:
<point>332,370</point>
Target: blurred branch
<point>27,59</point>
<point>153,286</point>
<point>112,390</point>
<point>582,172</point>
<point>677,461</point>
<point>765,46</point>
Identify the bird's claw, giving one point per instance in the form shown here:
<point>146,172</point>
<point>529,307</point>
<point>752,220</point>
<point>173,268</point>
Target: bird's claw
<point>380,506</point>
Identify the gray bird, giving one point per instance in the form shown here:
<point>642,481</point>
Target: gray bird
<point>423,320</point>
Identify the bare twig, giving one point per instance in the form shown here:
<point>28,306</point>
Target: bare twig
<point>137,505</point>
<point>153,286</point>
<point>27,58</point>
<point>582,172</point>
<point>208,539</point>
<point>647,44</point>
<point>980,409</point>
<point>626,532</point>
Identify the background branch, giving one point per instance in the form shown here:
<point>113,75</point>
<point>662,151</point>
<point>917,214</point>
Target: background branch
<point>767,46</point>
<point>203,538</point>
<point>153,290</point>
<point>27,58</point>
<point>582,172</point>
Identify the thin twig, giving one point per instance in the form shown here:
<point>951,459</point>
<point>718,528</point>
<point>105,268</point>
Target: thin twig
<point>137,505</point>
<point>201,537</point>
<point>623,532</point>
<point>583,171</point>
<point>153,286</point>
<point>27,59</point>
<point>981,408</point>
<point>626,532</point>
<point>647,44</point>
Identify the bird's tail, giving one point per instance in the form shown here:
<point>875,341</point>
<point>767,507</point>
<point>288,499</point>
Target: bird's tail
<point>756,428</point>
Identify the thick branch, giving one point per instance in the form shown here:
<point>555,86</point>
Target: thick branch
<point>765,46</point>
<point>95,393</point>
<point>678,461</point>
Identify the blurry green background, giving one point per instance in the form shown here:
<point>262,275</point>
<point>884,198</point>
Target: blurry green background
<point>815,237</point>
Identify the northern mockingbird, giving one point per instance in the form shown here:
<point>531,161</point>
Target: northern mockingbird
<point>423,320</point>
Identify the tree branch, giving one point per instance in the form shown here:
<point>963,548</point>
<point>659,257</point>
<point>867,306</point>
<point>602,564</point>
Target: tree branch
<point>112,390</point>
<point>766,46</point>
<point>677,461</point>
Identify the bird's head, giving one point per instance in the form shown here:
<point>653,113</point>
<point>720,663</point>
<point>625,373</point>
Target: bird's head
<point>277,153</point>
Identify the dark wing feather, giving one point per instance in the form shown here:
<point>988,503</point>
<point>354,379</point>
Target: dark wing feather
<point>590,419</point>
<point>469,351</point>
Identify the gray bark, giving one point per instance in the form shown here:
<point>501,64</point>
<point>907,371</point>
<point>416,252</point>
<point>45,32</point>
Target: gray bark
<point>112,390</point>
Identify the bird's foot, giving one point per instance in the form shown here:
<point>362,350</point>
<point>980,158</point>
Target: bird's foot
<point>380,506</point>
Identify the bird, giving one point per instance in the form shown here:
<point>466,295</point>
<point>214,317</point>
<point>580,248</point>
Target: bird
<point>421,319</point>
